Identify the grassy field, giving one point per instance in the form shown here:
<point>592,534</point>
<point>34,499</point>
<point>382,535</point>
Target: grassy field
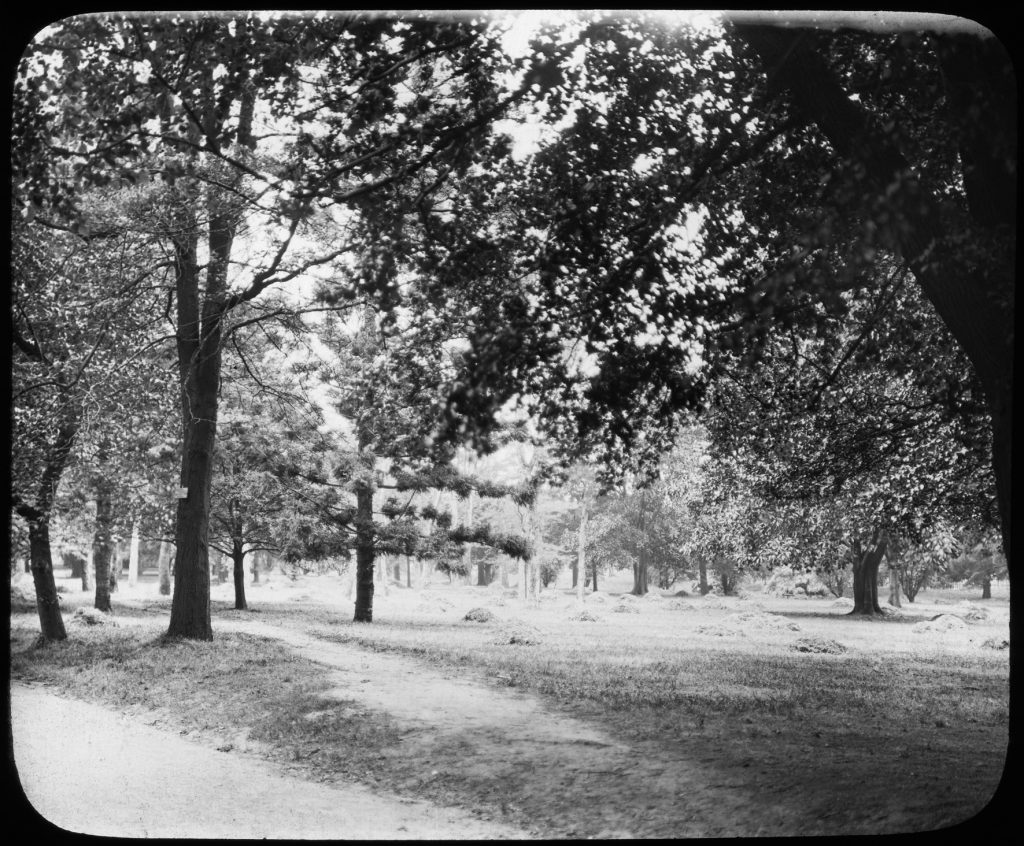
<point>904,730</point>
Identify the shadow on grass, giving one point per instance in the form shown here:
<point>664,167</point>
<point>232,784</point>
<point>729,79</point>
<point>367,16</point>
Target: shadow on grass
<point>855,618</point>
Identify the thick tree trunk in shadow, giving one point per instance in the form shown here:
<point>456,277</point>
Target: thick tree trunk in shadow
<point>986,588</point>
<point>702,567</point>
<point>640,575</point>
<point>364,554</point>
<point>103,548</point>
<point>238,560</point>
<point>865,576</point>
<point>51,623</point>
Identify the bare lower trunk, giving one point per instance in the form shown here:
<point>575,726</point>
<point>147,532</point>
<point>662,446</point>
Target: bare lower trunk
<point>865,576</point>
<point>593,576</point>
<point>364,554</point>
<point>190,606</point>
<point>238,560</point>
<point>103,547</point>
<point>986,588</point>
<point>164,569</point>
<point>51,623</point>
<point>87,570</point>
<point>702,566</point>
<point>640,575</point>
<point>894,587</point>
<point>522,578</point>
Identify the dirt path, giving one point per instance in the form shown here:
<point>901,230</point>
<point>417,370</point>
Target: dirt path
<point>461,741</point>
<point>116,764</point>
<point>520,753</point>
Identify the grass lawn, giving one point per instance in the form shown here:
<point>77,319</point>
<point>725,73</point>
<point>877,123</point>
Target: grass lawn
<point>905,730</point>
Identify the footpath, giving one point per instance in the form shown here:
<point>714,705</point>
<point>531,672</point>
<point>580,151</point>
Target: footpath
<point>89,770</point>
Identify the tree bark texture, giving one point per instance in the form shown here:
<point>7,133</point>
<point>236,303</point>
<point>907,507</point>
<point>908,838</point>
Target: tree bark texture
<point>51,623</point>
<point>199,358</point>
<point>973,298</point>
<point>103,547</point>
<point>702,568</point>
<point>865,576</point>
<point>238,560</point>
<point>364,553</point>
<point>37,516</point>
<point>986,588</point>
<point>164,569</point>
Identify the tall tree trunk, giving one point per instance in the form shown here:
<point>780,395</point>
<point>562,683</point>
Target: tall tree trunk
<point>594,576</point>
<point>702,568</point>
<point>238,560</point>
<point>580,566</point>
<point>522,578</point>
<point>408,571</point>
<point>986,587</point>
<point>164,569</point>
<point>51,623</point>
<point>865,576</point>
<point>199,336</point>
<point>103,547</point>
<point>364,553</point>
<point>199,359</point>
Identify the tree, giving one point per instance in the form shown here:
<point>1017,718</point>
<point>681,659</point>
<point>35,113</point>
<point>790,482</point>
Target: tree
<point>843,408</point>
<point>179,117</point>
<point>918,562</point>
<point>746,215</point>
<point>961,254</point>
<point>979,563</point>
<point>82,326</point>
